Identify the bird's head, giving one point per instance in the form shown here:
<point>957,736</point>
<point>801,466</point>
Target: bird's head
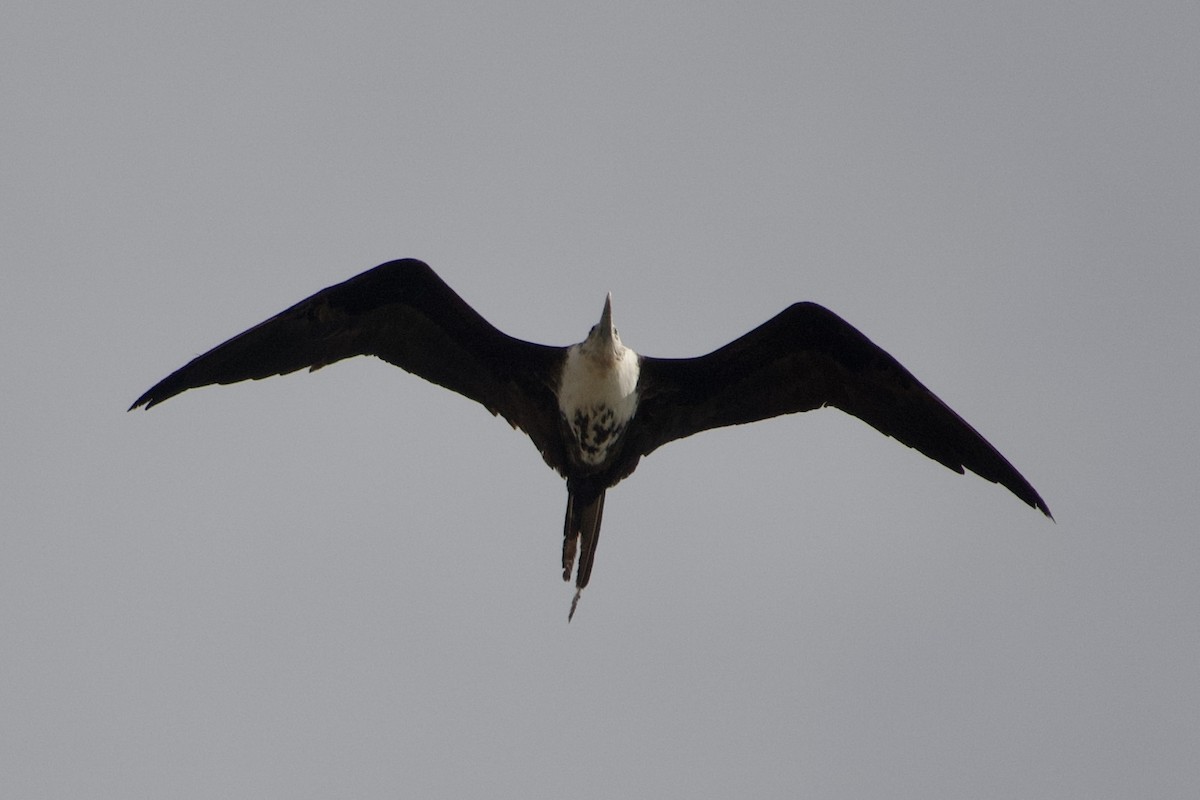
<point>602,340</point>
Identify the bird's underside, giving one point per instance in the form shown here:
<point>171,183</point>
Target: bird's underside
<point>594,409</point>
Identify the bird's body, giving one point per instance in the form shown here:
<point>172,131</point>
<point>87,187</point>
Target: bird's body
<point>597,394</point>
<point>595,408</point>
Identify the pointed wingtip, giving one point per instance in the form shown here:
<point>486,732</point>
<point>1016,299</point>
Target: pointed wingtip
<point>147,401</point>
<point>1034,500</point>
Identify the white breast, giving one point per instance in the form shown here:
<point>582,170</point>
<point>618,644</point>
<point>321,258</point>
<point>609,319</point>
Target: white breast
<point>597,397</point>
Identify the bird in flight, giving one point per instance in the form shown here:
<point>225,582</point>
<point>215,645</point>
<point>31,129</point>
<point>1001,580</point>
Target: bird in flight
<point>593,409</point>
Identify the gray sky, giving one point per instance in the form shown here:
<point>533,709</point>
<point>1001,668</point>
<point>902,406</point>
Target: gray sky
<point>346,584</point>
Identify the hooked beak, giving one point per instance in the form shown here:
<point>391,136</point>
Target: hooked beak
<point>602,338</point>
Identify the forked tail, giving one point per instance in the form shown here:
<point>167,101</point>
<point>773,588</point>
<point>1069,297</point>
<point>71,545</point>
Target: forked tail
<point>581,529</point>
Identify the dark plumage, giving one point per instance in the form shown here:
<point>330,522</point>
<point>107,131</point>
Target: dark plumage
<point>804,358</point>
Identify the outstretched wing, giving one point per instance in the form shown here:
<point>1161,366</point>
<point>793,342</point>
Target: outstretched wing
<point>405,314</point>
<point>805,358</point>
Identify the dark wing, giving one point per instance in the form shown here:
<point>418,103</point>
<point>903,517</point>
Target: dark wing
<point>405,314</point>
<point>805,358</point>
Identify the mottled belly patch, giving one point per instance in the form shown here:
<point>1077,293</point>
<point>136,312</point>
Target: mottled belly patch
<point>596,430</point>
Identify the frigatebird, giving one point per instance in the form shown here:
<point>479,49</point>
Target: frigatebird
<point>595,408</point>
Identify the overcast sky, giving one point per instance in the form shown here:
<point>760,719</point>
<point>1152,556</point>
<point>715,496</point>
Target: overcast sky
<point>347,584</point>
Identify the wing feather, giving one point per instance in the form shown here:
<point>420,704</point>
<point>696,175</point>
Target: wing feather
<point>805,358</point>
<point>404,313</point>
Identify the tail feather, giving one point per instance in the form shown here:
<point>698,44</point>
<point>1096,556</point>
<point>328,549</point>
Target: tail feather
<point>581,530</point>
